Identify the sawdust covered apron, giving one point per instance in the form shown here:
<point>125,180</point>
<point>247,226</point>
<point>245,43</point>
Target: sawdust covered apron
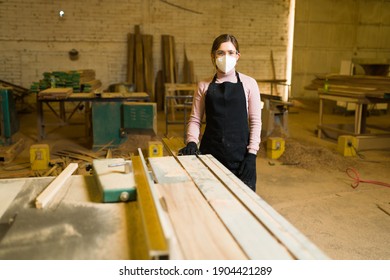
<point>226,135</point>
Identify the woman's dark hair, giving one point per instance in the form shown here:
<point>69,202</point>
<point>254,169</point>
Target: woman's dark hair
<point>222,39</point>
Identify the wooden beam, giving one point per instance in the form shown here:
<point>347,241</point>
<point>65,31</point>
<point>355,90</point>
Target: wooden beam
<point>44,198</point>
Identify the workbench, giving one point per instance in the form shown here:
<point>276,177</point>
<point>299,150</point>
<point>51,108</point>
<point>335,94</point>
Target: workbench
<point>361,99</point>
<point>78,99</point>
<point>186,207</point>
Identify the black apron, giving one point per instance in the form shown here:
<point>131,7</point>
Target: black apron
<point>226,134</point>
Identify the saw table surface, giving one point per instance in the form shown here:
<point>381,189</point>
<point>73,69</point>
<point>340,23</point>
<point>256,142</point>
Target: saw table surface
<point>76,225</point>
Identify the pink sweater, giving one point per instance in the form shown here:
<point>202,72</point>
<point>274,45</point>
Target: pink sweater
<point>252,94</point>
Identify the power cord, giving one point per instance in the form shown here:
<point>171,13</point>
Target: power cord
<point>352,173</point>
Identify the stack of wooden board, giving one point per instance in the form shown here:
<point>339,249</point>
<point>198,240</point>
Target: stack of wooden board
<point>371,86</point>
<point>213,215</point>
<point>79,80</point>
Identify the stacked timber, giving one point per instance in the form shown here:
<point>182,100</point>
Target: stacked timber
<point>372,86</point>
<point>78,80</point>
<point>213,215</point>
<point>140,62</point>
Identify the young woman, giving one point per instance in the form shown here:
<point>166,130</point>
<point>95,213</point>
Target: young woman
<point>231,102</point>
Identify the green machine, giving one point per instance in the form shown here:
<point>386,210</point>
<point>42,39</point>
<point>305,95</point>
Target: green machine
<point>112,121</point>
<point>9,121</point>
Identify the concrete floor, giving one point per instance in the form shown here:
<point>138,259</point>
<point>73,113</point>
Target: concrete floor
<point>308,184</point>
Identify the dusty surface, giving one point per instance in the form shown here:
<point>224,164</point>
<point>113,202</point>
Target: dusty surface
<point>308,184</point>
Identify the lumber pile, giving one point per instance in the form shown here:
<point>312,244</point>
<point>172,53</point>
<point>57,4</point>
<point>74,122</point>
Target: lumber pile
<point>78,80</point>
<point>372,86</point>
<point>215,216</point>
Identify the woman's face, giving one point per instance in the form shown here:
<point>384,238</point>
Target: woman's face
<point>226,48</point>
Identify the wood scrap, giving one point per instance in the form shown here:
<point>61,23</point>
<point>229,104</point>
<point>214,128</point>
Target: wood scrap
<point>74,156</point>
<point>109,153</point>
<point>50,171</point>
<point>9,153</point>
<point>47,195</point>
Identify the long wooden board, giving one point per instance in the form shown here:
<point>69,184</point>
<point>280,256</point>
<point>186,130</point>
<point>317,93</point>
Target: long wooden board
<point>200,233</point>
<point>252,236</point>
<point>298,244</point>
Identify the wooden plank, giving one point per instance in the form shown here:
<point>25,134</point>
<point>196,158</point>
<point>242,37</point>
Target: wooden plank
<point>299,245</point>
<point>198,229</point>
<point>130,58</point>
<point>201,234</point>
<point>147,42</point>
<point>139,61</point>
<point>253,238</point>
<point>44,198</point>
<point>160,90</point>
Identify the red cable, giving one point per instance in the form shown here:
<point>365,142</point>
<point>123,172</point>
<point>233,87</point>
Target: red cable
<point>357,179</point>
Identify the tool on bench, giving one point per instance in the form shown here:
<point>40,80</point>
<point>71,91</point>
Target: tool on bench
<point>115,179</point>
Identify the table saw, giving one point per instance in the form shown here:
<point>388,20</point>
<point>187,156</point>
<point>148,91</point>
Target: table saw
<point>187,207</point>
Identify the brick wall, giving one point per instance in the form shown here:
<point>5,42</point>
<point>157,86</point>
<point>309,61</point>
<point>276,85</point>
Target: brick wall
<point>34,39</point>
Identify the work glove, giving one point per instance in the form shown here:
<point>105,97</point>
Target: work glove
<point>247,168</point>
<point>190,149</point>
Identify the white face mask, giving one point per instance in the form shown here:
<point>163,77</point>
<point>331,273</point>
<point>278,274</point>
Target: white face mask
<point>226,63</point>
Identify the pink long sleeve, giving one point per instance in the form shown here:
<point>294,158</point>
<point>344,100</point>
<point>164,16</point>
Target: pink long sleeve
<point>252,94</point>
